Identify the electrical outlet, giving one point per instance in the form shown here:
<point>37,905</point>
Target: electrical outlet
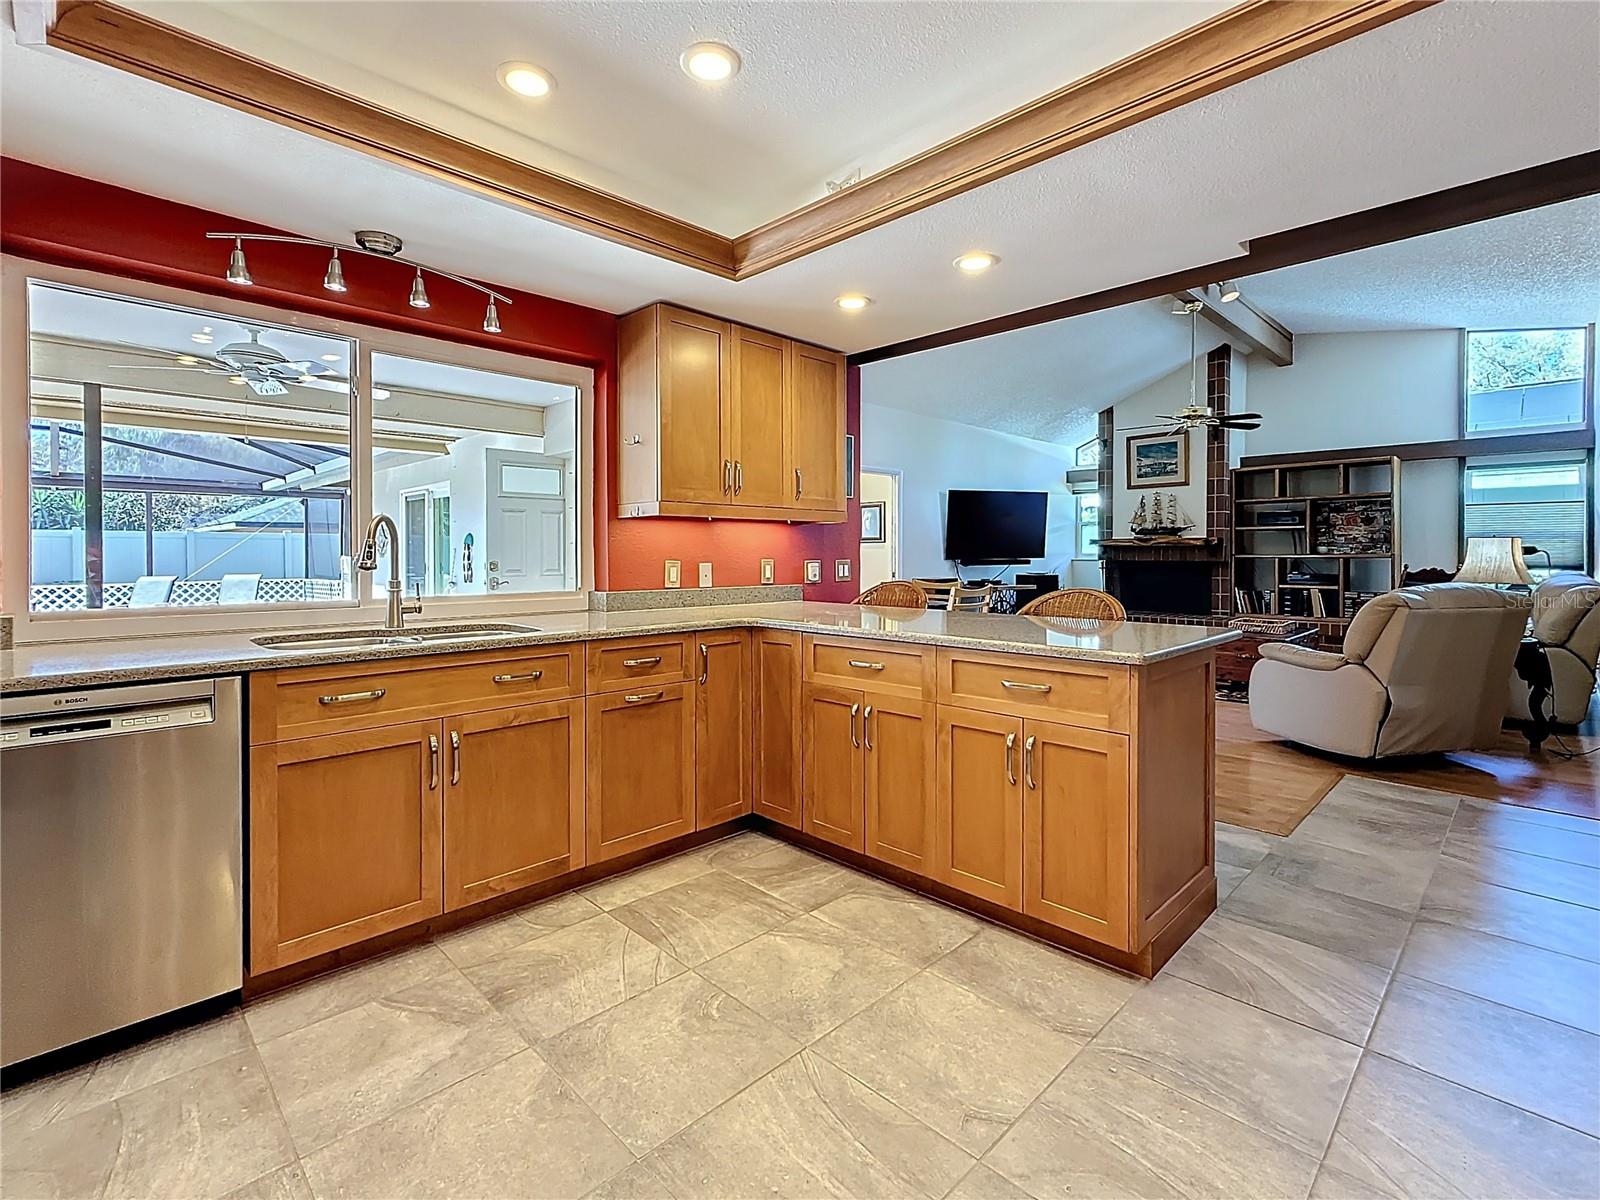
<point>674,573</point>
<point>705,574</point>
<point>766,570</point>
<point>813,570</point>
<point>841,569</point>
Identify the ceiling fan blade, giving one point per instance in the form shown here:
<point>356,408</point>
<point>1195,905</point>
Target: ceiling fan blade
<point>267,387</point>
<point>1246,416</point>
<point>1247,425</point>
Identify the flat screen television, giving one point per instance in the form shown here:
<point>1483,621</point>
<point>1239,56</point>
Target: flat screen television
<point>994,527</point>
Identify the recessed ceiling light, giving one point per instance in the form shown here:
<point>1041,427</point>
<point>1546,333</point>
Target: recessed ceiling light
<point>709,62</point>
<point>330,358</point>
<point>203,337</point>
<point>308,379</point>
<point>853,301</point>
<point>976,262</point>
<point>380,394</point>
<point>525,79</point>
<point>188,360</point>
<point>237,380</point>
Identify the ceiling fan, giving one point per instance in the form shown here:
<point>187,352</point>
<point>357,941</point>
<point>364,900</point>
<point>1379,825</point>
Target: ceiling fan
<point>263,369</point>
<point>1195,415</point>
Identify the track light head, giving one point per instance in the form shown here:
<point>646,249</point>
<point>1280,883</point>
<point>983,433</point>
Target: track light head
<point>334,279</point>
<point>419,292</point>
<point>1227,291</point>
<point>238,271</point>
<point>491,318</point>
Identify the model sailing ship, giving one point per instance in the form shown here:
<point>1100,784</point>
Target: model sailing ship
<point>1159,516</point>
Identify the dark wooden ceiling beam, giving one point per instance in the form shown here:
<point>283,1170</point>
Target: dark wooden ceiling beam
<point>1507,443</point>
<point>1245,324</point>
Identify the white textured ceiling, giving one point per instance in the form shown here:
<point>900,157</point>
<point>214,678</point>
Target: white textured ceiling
<point>1534,268</point>
<point>1457,92</point>
<point>826,85</point>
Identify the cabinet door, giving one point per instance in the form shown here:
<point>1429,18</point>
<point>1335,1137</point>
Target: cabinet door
<point>760,434</point>
<point>978,805</point>
<point>695,438</point>
<point>1075,822</point>
<point>513,799</point>
<point>344,839</point>
<point>777,726</point>
<point>830,770</point>
<point>816,427</point>
<point>898,738</point>
<point>641,769</point>
<point>722,726</point>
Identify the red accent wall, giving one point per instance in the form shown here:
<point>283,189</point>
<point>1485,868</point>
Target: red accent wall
<point>75,222</point>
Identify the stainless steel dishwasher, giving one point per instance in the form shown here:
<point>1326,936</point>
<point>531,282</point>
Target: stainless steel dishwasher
<point>121,878</point>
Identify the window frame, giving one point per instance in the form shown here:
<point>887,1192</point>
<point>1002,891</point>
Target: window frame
<point>15,407</point>
<point>1585,459</point>
<point>1587,423</point>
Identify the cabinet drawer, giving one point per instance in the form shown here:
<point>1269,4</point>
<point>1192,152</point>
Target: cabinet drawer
<point>894,670</point>
<point>307,701</point>
<point>1083,694</point>
<point>616,665</point>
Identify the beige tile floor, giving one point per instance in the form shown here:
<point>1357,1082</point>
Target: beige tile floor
<point>1400,999</point>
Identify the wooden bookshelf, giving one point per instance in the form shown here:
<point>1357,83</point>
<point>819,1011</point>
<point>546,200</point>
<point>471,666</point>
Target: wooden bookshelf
<point>1315,540</point>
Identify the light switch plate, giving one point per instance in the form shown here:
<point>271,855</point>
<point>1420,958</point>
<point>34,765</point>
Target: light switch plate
<point>841,569</point>
<point>766,570</point>
<point>705,574</point>
<point>813,570</point>
<point>674,573</point>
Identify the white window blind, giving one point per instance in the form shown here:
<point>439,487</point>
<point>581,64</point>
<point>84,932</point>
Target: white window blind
<point>1543,503</point>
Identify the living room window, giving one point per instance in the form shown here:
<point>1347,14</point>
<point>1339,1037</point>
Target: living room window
<point>1541,500</point>
<point>1526,380</point>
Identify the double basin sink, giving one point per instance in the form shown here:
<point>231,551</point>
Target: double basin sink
<point>371,639</point>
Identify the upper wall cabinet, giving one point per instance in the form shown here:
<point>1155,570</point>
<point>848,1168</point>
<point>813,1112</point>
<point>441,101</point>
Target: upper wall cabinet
<point>718,420</point>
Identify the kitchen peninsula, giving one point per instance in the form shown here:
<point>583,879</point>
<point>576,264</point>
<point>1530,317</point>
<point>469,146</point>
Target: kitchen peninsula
<point>1053,775</point>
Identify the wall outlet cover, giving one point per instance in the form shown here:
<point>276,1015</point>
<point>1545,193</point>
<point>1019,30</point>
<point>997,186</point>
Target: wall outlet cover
<point>705,574</point>
<point>767,573</point>
<point>813,570</point>
<point>674,573</point>
<point>841,569</point>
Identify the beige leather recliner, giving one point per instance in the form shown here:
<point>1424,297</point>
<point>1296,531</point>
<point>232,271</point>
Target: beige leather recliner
<point>1566,621</point>
<point>1423,669</point>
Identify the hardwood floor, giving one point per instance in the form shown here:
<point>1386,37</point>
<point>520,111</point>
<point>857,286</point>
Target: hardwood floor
<point>1270,785</point>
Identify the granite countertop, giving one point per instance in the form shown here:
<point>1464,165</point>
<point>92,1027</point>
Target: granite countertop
<point>50,666</point>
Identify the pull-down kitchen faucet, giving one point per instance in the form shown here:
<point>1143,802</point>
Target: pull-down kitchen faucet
<point>395,618</point>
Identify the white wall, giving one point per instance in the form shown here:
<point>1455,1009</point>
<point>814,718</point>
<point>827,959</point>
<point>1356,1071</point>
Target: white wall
<point>877,558</point>
<point>1163,397</point>
<point>935,455</point>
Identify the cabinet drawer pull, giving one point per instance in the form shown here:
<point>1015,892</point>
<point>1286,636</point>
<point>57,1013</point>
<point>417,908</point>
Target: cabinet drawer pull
<point>727,475</point>
<point>866,726</point>
<point>855,711</point>
<point>1018,686</point>
<point>433,762</point>
<point>353,697</point>
<point>705,663</point>
<point>525,677</point>
<point>859,665</point>
<point>1027,763</point>
<point>1011,757</point>
<point>455,757</point>
<point>798,489</point>
<point>641,697</point>
<point>738,477</point>
<point>634,663</point>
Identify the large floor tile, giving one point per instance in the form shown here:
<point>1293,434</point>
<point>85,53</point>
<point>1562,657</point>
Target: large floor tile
<point>702,918</point>
<point>1261,1069</point>
<point>556,981</point>
<point>659,1062</point>
<point>1372,933</point>
<point>795,877</point>
<point>723,854</point>
<point>1479,814</point>
<point>1241,847</point>
<point>1537,981</point>
<point>357,1067</point>
<point>919,930</point>
<point>1405,1133</point>
<point>286,1183</point>
<point>1100,1130</point>
<point>1294,979</point>
<point>1059,990</point>
<point>514,1130</point>
<point>807,976</point>
<point>1492,825</point>
<point>1376,812</point>
<point>1458,896</point>
<point>981,1183</point>
<point>1394,878</point>
<point>306,1003</point>
<point>1572,882</point>
<point>625,889</point>
<point>483,940</point>
<point>639,1182</point>
<point>1228,878</point>
<point>809,1130</point>
<point>1535,1064</point>
<point>958,1061</point>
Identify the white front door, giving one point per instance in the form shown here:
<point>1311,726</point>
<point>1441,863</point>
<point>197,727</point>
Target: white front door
<point>526,526</point>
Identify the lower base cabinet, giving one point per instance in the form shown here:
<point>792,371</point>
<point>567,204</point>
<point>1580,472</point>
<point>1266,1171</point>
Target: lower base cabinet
<point>978,805</point>
<point>775,681</point>
<point>831,782</point>
<point>722,721</point>
<point>641,772</point>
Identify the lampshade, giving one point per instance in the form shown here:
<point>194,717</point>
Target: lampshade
<point>1494,560</point>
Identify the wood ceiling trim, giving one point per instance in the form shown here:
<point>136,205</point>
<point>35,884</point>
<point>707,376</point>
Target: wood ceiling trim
<point>1235,45</point>
<point>120,38</point>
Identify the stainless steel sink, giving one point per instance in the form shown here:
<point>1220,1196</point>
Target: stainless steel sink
<point>368,639</point>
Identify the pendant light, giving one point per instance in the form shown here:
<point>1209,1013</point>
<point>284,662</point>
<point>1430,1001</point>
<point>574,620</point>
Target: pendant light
<point>491,318</point>
<point>419,292</point>
<point>334,279</point>
<point>238,272</point>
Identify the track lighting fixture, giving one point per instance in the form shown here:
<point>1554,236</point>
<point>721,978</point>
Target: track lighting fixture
<point>374,244</point>
<point>1227,291</point>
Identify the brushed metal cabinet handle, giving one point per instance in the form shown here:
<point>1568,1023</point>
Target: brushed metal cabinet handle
<point>1011,757</point>
<point>855,711</point>
<point>635,663</point>
<point>353,697</point>
<point>455,756</point>
<point>525,677</point>
<point>1017,686</point>
<point>705,664</point>
<point>727,475</point>
<point>865,666</point>
<point>799,489</point>
<point>738,477</point>
<point>1027,763</point>
<point>433,762</point>
<point>641,697</point>
<point>866,726</point>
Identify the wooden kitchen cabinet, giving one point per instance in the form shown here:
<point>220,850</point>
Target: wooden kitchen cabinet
<point>816,427</point>
<point>693,359</point>
<point>345,839</point>
<point>898,756</point>
<point>722,721</point>
<point>641,776</point>
<point>977,845</point>
<point>831,780</point>
<point>513,799</point>
<point>760,442</point>
<point>775,669</point>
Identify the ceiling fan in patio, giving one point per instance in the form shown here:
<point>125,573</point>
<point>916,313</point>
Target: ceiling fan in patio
<point>1195,415</point>
<point>263,369</point>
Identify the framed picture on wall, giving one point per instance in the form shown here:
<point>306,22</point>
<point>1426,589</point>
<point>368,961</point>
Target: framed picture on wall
<point>872,526</point>
<point>1088,454</point>
<point>1158,460</point>
<point>849,466</point>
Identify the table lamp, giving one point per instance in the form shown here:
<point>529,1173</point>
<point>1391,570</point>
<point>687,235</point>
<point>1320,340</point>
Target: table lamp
<point>1494,560</point>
